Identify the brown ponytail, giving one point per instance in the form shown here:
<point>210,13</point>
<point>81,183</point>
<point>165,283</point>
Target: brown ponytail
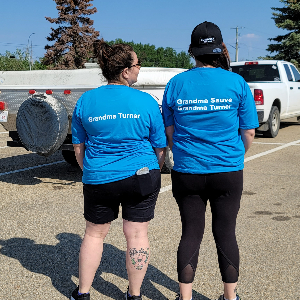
<point>112,59</point>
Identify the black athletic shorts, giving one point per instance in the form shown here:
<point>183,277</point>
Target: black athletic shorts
<point>102,201</point>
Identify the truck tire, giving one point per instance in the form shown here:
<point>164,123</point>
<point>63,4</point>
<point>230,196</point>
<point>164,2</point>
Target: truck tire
<point>70,158</point>
<point>42,124</point>
<point>273,122</point>
<point>169,162</point>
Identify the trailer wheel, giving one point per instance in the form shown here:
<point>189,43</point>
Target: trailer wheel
<point>42,124</point>
<point>273,122</point>
<point>169,162</point>
<point>69,157</point>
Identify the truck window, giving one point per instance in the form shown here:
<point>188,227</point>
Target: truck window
<point>288,72</point>
<point>296,73</point>
<point>257,72</point>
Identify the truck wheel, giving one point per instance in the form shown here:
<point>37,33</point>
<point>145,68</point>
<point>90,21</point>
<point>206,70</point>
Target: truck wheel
<point>273,122</point>
<point>169,162</point>
<point>69,157</point>
<point>42,124</point>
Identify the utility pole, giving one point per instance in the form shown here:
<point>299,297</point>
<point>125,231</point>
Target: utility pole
<point>29,51</point>
<point>237,42</point>
<point>31,56</point>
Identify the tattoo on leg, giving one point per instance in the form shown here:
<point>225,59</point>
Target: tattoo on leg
<point>139,258</point>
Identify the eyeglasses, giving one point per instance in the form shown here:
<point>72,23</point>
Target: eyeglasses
<point>138,65</point>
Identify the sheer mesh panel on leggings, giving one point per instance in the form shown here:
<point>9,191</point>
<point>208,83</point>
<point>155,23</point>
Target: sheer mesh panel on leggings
<point>229,270</point>
<point>192,210</point>
<point>231,275</point>
<point>187,274</point>
<point>188,252</point>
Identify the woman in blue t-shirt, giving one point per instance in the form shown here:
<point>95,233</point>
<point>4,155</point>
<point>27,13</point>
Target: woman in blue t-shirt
<point>119,142</point>
<point>210,119</point>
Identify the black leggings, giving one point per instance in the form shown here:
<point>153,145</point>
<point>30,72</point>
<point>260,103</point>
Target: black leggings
<point>191,192</point>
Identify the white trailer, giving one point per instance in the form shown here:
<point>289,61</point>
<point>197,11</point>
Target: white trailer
<point>36,107</point>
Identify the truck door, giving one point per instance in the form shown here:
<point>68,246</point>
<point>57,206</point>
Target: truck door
<point>293,88</point>
<point>296,101</point>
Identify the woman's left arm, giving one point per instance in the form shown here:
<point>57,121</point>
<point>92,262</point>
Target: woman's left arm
<point>160,154</point>
<point>79,153</point>
<point>247,137</point>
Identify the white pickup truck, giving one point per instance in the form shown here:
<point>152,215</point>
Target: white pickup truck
<point>36,107</point>
<point>275,86</point>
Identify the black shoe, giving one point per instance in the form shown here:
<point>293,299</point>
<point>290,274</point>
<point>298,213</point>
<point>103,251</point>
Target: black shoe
<point>178,297</point>
<point>222,297</point>
<point>129,297</point>
<point>81,297</point>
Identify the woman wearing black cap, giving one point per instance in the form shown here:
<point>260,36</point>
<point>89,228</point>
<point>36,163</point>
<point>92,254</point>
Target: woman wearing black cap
<point>210,119</point>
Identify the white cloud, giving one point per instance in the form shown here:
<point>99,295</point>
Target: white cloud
<point>250,36</point>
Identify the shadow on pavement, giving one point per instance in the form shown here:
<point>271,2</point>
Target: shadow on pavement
<point>283,124</point>
<point>32,162</point>
<point>60,263</point>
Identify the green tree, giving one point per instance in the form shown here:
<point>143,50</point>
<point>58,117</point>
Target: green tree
<point>73,37</point>
<point>288,45</point>
<point>158,57</point>
<point>18,61</point>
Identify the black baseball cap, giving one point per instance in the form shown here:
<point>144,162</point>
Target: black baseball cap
<point>206,38</point>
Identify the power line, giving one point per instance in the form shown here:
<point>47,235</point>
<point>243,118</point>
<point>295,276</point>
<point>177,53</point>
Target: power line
<point>259,31</point>
<point>17,44</point>
<point>251,46</point>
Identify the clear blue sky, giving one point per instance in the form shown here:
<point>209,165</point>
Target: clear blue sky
<point>163,23</point>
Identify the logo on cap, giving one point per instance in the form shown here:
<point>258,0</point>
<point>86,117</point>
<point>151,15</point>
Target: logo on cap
<point>207,40</point>
<point>217,50</point>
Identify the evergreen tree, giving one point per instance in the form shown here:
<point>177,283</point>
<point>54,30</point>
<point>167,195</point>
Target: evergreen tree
<point>73,37</point>
<point>288,45</point>
<point>158,57</point>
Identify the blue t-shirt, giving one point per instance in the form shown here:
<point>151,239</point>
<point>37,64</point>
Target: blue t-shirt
<point>119,126</point>
<point>207,106</point>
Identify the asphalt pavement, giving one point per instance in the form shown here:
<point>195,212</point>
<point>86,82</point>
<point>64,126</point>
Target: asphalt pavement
<point>42,225</point>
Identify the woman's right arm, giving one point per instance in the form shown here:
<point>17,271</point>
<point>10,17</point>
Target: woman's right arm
<point>169,133</point>
<point>79,153</point>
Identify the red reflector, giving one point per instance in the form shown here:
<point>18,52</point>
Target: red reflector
<point>251,63</point>
<point>31,92</point>
<point>49,92</point>
<point>2,105</point>
<point>258,97</point>
<point>67,92</point>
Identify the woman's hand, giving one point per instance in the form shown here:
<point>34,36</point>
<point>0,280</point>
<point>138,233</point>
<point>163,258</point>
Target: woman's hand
<point>160,154</point>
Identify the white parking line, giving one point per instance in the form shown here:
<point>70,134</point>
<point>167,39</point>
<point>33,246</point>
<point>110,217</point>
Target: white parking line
<point>168,187</point>
<point>4,132</point>
<point>271,151</point>
<point>165,188</point>
<point>31,168</point>
<point>3,147</point>
<point>262,143</point>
